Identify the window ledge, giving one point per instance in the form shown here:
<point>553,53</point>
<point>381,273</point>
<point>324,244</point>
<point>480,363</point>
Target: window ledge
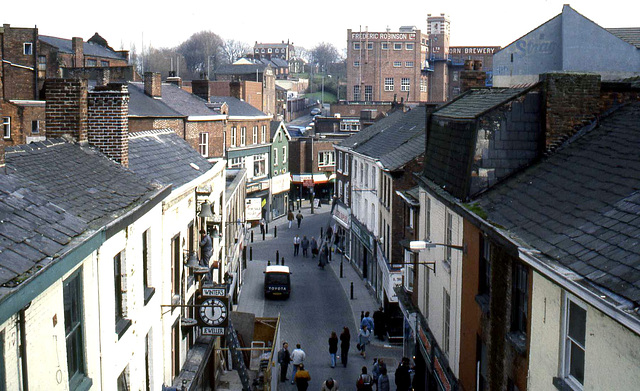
<point>80,384</point>
<point>148,294</point>
<point>518,340</point>
<point>483,301</point>
<point>122,326</point>
<point>562,385</point>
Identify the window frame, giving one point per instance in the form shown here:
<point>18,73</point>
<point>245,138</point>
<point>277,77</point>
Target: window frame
<point>446,321</point>
<point>26,45</point>
<point>264,134</point>
<point>409,64</point>
<point>255,135</point>
<point>384,46</point>
<point>389,83</point>
<point>567,340</point>
<point>326,158</point>
<point>203,145</point>
<point>368,93</point>
<point>259,161</point>
<point>75,327</point>
<point>243,136</point>
<point>275,156</point>
<point>234,134</point>
<point>409,46</point>
<point>339,168</point>
<point>6,128</point>
<point>405,84</point>
<point>520,298</point>
<point>356,46</point>
<point>397,46</point>
<point>356,64</point>
<point>397,64</point>
<point>356,92</point>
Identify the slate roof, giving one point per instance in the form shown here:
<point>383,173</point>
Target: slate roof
<point>185,102</point>
<point>240,69</point>
<point>79,179</point>
<point>581,206</point>
<point>628,34</point>
<point>476,102</point>
<point>33,228</point>
<point>162,156</point>
<point>237,108</point>
<point>89,48</point>
<point>142,105</point>
<point>394,140</point>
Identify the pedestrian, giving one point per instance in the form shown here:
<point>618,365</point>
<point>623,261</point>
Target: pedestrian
<point>206,247</point>
<point>305,246</point>
<point>324,257</point>
<point>297,357</point>
<point>383,381</point>
<point>296,245</point>
<point>262,224</point>
<point>284,358</point>
<point>302,378</point>
<point>363,340</point>
<point>345,344</point>
<point>329,385</point>
<point>403,375</point>
<point>365,381</point>
<point>314,247</point>
<point>333,348</point>
<point>290,217</point>
<point>380,323</point>
<point>378,365</point>
<point>368,322</point>
<point>299,218</point>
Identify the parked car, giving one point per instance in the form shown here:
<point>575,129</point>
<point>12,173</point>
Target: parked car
<point>277,282</point>
<point>316,111</point>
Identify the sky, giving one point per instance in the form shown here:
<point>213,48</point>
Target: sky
<point>304,23</point>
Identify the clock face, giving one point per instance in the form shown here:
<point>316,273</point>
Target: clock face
<point>213,311</point>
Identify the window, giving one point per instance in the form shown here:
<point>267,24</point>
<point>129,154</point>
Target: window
<point>346,193</point>
<point>74,328</point>
<point>408,64</point>
<point>262,51</point>
<point>574,333</point>
<point>120,293</point>
<point>269,50</point>
<point>366,175</point>
<point>409,259</point>
<point>104,63</point>
<point>275,156</point>
<point>388,84</point>
<point>204,144</point>
<point>411,218</point>
<point>236,162</point>
<point>326,158</point>
<point>255,135</point>
<point>446,302</point>
<point>339,161</point>
<point>370,46</point>
<point>6,127</point>
<point>234,131</point>
<point>448,236</point>
<point>455,75</point>
<point>264,134</point>
<point>277,50</point>
<point>284,154</point>
<point>423,85</point>
<point>176,264</point>
<point>339,185</point>
<point>397,64</point>
<point>405,84</point>
<point>123,380</point>
<point>92,62</point>
<point>520,298</point>
<point>175,348</point>
<point>259,166</point>
<point>243,135</point>
<point>356,92</point>
<point>397,46</point>
<point>427,225</point>
<point>384,45</point>
<point>409,46</point>
<point>356,46</point>
<point>147,361</point>
<point>368,93</point>
<point>484,278</point>
<point>42,64</point>
<point>346,164</point>
<point>27,48</point>
<point>356,64</point>
<point>35,127</point>
<point>146,268</point>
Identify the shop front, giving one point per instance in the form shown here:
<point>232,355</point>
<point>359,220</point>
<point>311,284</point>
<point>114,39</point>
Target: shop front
<point>362,252</point>
<point>280,186</point>
<point>342,232</point>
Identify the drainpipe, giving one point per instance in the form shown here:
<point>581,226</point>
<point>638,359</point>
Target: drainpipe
<point>23,348</point>
<point>35,62</point>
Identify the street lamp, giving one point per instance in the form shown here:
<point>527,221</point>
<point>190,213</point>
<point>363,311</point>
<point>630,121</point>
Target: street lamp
<point>420,245</point>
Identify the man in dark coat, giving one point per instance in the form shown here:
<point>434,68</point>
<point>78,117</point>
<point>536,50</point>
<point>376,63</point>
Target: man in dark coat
<point>379,321</point>
<point>206,246</point>
<point>284,358</point>
<point>403,375</point>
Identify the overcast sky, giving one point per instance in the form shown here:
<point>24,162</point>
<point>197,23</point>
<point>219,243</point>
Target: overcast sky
<point>305,23</point>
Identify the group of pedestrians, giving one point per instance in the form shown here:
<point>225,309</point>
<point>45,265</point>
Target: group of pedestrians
<point>297,217</point>
<point>299,376</point>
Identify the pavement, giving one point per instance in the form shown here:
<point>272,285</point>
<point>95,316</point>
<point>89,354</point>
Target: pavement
<point>320,303</point>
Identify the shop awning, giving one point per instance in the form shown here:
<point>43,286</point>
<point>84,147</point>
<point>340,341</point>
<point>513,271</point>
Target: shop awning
<point>317,178</point>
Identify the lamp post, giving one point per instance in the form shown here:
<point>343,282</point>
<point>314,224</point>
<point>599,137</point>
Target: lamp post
<point>322,94</point>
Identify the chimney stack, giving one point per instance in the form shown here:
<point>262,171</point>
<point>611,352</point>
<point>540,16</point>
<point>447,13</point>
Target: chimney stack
<point>472,76</point>
<point>175,80</point>
<point>235,89</point>
<point>201,88</point>
<point>66,108</point>
<point>77,46</point>
<point>108,125</point>
<point>153,84</point>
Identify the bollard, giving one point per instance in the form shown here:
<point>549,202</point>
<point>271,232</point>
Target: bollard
<point>330,256</point>
<point>275,232</point>
<point>351,290</point>
<point>263,232</point>
<point>250,253</point>
<point>244,258</point>
<point>282,263</point>
<point>277,256</point>
<point>320,232</point>
<point>251,236</point>
<point>269,264</point>
<point>341,276</point>
<point>266,227</point>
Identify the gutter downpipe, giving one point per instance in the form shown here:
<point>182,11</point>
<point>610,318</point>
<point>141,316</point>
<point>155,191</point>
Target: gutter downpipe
<point>23,348</point>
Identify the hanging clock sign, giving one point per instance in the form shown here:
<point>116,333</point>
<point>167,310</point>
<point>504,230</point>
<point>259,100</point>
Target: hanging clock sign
<point>213,313</point>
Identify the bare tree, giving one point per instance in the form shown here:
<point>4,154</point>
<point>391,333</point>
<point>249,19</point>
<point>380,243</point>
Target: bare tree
<point>165,60</point>
<point>234,50</point>
<point>202,53</point>
<point>324,54</point>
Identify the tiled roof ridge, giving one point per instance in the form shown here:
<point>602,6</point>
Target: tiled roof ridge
<point>152,132</point>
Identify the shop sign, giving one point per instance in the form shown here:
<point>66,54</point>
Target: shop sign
<point>362,234</point>
<point>442,377</point>
<point>342,215</point>
<point>384,36</point>
<point>253,208</point>
<point>426,344</point>
<point>280,183</point>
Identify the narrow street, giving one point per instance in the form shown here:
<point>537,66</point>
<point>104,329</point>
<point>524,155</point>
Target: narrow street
<point>319,303</point>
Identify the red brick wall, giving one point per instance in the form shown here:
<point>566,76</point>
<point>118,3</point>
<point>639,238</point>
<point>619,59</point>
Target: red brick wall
<point>108,127</point>
<point>153,84</point>
<point>18,69</point>
<point>142,124</point>
<point>66,108</point>
<point>215,129</point>
<point>21,117</point>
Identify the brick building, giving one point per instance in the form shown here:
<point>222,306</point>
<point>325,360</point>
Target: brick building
<point>408,65</point>
<point>245,70</point>
<point>285,51</point>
